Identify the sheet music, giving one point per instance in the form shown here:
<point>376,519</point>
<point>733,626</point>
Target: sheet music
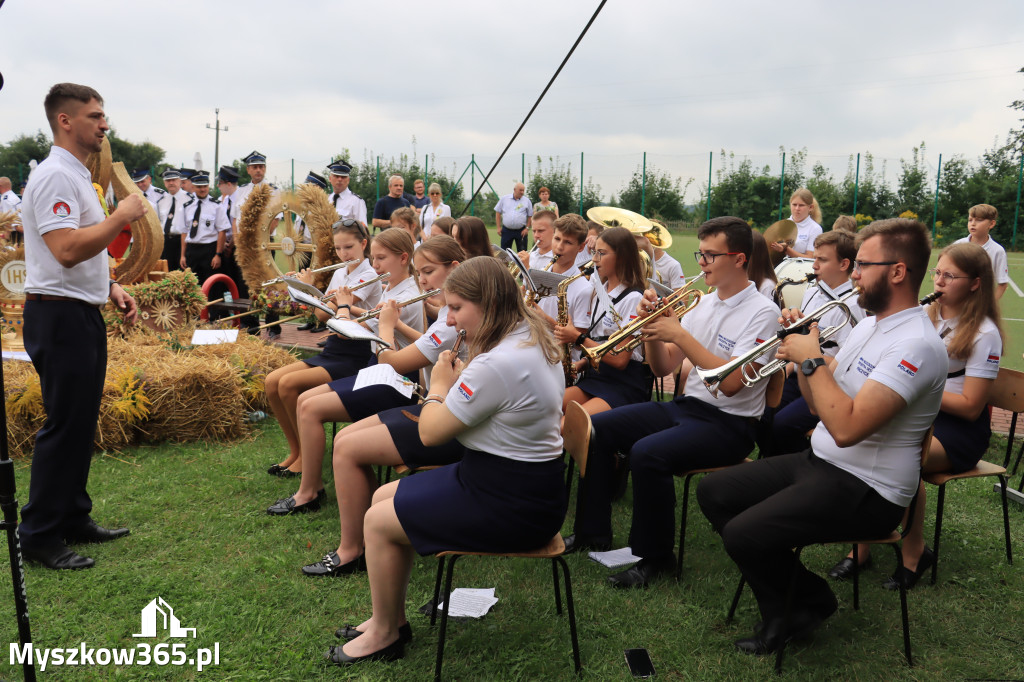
<point>660,288</point>
<point>384,375</point>
<point>314,301</point>
<point>211,337</point>
<point>602,296</point>
<point>470,603</point>
<point>353,330</point>
<point>616,558</point>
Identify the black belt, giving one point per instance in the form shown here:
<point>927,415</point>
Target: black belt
<point>52,297</point>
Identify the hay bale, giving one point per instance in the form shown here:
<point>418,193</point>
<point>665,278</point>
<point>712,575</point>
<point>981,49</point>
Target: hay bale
<point>24,401</point>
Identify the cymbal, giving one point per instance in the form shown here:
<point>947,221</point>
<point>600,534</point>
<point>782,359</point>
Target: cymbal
<point>612,216</point>
<point>781,231</point>
<point>659,236</point>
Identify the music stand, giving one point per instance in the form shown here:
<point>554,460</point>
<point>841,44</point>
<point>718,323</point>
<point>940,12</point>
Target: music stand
<point>9,507</point>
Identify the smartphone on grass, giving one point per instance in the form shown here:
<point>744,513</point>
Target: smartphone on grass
<point>639,662</point>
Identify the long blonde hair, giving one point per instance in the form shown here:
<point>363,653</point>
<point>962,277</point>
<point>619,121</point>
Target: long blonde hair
<point>804,195</point>
<point>485,282</point>
<point>397,242</point>
<point>981,304</point>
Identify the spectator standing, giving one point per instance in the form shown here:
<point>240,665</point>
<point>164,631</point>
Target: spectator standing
<point>513,215</point>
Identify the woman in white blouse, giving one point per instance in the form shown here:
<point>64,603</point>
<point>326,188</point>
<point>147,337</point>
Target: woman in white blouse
<point>434,210</point>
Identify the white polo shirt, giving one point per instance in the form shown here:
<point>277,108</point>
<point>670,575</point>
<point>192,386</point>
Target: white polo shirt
<point>369,296</point>
<point>807,230</point>
<point>511,399</point>
<point>440,337</point>
<point>820,294</point>
<point>60,195</point>
<point>996,254</point>
<point>577,303</point>
<point>729,328</point>
<point>538,260</point>
<point>411,314</point>
<point>669,271</point>
<point>602,323</point>
<point>983,361</point>
<point>904,353</point>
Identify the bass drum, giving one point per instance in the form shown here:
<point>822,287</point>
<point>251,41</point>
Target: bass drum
<point>793,269</point>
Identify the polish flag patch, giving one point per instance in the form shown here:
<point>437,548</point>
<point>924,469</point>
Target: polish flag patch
<point>465,391</point>
<point>435,339</point>
<point>61,209</point>
<point>994,359</point>
<point>907,367</point>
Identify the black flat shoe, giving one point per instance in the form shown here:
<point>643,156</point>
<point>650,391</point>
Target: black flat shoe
<point>578,543</point>
<point>349,632</point>
<point>58,558</point>
<point>391,652</point>
<point>322,344</point>
<point>768,638</point>
<point>643,573</point>
<point>283,472</point>
<point>93,532</point>
<point>906,576</point>
<point>288,506</point>
<point>304,327</point>
<point>275,469</point>
<point>320,329</point>
<point>331,567</point>
<point>844,569</point>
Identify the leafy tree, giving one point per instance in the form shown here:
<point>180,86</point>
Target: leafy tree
<point>15,155</point>
<point>661,195</point>
<point>563,184</point>
<point>140,155</point>
<point>1015,139</point>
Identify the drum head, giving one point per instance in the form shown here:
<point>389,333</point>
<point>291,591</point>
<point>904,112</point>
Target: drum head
<point>794,269</point>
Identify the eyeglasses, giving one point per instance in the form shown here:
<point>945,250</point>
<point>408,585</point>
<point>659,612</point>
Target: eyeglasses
<point>598,255</point>
<point>349,222</point>
<point>946,277</point>
<point>858,265</point>
<point>435,194</point>
<point>709,257</point>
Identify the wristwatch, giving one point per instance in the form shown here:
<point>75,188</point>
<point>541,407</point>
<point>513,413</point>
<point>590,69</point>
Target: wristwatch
<point>809,365</point>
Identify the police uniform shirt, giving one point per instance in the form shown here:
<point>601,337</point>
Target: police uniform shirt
<point>60,195</point>
<point>670,272</point>
<point>369,296</point>
<point>211,220</point>
<point>577,300</point>
<point>242,193</point>
<point>9,201</point>
<point>903,353</point>
<point>807,230</point>
<point>996,254</point>
<point>510,398</point>
<point>820,294</point>
<point>983,361</point>
<point>163,209</point>
<point>348,204</point>
<point>154,194</point>
<point>227,206</point>
<point>514,212</point>
<point>729,328</point>
<point>602,323</point>
<point>411,314</point>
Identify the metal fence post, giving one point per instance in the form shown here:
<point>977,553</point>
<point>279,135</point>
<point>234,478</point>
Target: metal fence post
<point>935,210</point>
<point>581,183</point>
<point>293,175</point>
<point>856,186</point>
<point>782,184</point>
<point>426,170</point>
<point>711,158</point>
<point>643,187</point>
<point>1016,211</point>
<point>378,179</point>
<point>472,183</point>
<point>522,168</point>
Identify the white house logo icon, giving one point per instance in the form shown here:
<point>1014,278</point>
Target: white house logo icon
<point>159,613</point>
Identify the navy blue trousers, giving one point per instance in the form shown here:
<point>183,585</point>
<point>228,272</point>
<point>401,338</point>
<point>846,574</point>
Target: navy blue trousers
<point>67,342</point>
<point>792,421</point>
<point>661,439</point>
<point>509,237</point>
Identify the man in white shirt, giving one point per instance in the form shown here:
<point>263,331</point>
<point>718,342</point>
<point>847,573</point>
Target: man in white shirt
<point>171,212</point>
<point>66,237</point>
<point>876,400</point>
<point>10,203</point>
<point>513,215</point>
<point>980,221</point>
<point>206,229</point>
<point>347,203</point>
<point>142,178</point>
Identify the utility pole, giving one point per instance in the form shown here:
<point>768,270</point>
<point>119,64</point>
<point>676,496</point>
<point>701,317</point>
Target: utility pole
<point>216,144</point>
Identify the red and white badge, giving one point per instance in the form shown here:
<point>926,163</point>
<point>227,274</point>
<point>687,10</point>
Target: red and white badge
<point>435,340</point>
<point>61,209</point>
<point>465,390</point>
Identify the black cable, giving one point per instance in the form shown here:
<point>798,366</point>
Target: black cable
<point>532,109</point>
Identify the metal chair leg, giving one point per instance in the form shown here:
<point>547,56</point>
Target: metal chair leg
<point>570,607</point>
<point>940,505</point>
<point>903,608</point>
<point>558,594</point>
<point>682,525</point>
<point>437,590</point>
<point>1006,520</point>
<point>856,579</point>
<point>569,469</point>
<point>736,600</point>
<point>444,617</point>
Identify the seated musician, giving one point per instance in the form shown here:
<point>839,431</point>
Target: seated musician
<point>967,319</point>
<point>507,494</point>
<point>759,268</point>
<point>620,378</point>
<point>876,400</point>
<point>834,253</point>
<point>693,431</point>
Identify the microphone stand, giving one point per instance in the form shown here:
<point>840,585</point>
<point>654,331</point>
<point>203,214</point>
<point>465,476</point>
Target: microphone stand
<point>9,507</point>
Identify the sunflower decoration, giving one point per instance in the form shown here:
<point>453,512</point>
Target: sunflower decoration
<point>163,305</point>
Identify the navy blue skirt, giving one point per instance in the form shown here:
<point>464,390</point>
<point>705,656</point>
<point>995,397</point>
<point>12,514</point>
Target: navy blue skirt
<point>617,387</point>
<point>405,434</point>
<point>368,401</point>
<point>965,442</point>
<point>342,357</point>
<point>485,503</point>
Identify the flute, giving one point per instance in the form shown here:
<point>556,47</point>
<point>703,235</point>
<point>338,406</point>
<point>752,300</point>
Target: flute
<point>326,268</point>
<point>457,345</point>
<point>378,278</point>
<point>374,313</point>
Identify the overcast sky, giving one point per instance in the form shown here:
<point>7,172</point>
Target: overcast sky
<point>304,79</point>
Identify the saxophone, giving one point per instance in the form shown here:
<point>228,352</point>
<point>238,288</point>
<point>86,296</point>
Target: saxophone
<point>563,319</point>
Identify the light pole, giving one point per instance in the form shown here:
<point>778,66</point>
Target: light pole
<point>216,144</point>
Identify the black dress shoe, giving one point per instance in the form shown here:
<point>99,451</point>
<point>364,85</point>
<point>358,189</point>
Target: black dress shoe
<point>906,576</point>
<point>93,532</point>
<point>288,506</point>
<point>576,543</point>
<point>319,329</point>
<point>349,632</point>
<point>844,568</point>
<point>305,327</point>
<point>59,558</point>
<point>276,469</point>
<point>322,343</point>
<point>768,638</point>
<point>643,573</point>
<point>331,567</point>
<point>392,652</point>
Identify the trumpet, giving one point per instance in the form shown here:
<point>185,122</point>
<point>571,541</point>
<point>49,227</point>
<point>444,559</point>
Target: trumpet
<point>713,377</point>
<point>682,301</point>
<point>326,268</point>
<point>371,314</point>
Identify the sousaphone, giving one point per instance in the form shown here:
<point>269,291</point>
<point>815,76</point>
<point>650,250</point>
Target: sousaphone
<point>612,216</point>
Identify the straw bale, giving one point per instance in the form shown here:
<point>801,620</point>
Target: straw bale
<point>319,216</point>
<point>24,402</point>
